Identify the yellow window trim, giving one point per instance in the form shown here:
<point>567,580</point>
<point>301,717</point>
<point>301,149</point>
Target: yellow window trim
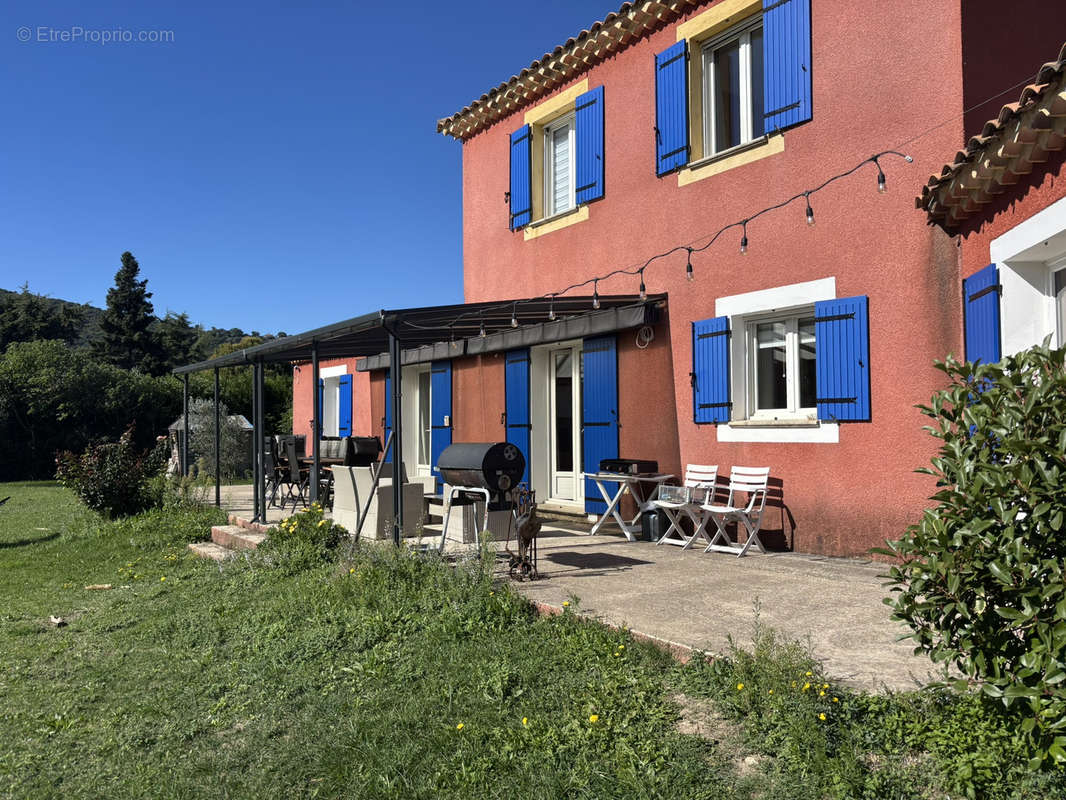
<point>773,145</point>
<point>701,27</point>
<point>565,220</point>
<point>715,20</point>
<point>544,113</point>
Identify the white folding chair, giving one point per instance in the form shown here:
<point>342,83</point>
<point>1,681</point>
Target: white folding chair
<point>681,502</point>
<point>752,480</point>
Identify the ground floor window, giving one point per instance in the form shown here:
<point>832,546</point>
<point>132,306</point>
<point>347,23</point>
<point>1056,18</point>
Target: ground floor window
<point>1059,289</point>
<point>781,365</point>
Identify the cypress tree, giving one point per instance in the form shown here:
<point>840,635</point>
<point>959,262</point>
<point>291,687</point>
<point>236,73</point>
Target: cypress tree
<point>127,338</point>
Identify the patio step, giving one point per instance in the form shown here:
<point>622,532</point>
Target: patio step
<point>215,552</point>
<point>236,537</point>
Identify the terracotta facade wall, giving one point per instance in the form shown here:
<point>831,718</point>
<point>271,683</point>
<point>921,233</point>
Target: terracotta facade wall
<point>303,397</point>
<point>832,498</point>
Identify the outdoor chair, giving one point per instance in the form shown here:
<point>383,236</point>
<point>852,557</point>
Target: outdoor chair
<point>685,502</point>
<point>272,470</point>
<point>355,494</point>
<point>294,479</point>
<point>753,481</point>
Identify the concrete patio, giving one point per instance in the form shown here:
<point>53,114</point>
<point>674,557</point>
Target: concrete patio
<point>699,600</point>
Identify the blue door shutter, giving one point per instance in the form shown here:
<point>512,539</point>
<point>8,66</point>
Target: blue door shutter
<point>599,412</point>
<point>388,416</point>
<point>521,178</point>
<point>588,122</point>
<point>344,406</point>
<point>320,405</point>
<point>710,370</point>
<point>786,62</point>
<point>671,108</point>
<point>440,393</point>
<point>516,392</point>
<point>980,306</point>
<point>842,359</point>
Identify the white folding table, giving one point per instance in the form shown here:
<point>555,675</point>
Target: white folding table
<point>625,481</point>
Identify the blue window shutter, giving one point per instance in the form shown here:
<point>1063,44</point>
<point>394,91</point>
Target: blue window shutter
<point>344,406</point>
<point>980,305</point>
<point>521,178</point>
<point>516,393</point>
<point>599,412</point>
<point>786,62</point>
<point>321,405</point>
<point>842,359</point>
<point>671,108</point>
<point>710,370</point>
<point>589,134</point>
<point>388,416</point>
<point>440,383</point>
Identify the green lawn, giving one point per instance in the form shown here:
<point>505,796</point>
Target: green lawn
<point>388,675</point>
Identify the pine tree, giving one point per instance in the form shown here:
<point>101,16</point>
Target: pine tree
<point>27,317</point>
<point>127,338</point>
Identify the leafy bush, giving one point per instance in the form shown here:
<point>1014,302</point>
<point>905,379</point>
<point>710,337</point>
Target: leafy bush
<point>112,477</point>
<point>235,453</point>
<point>981,579</point>
<point>303,541</point>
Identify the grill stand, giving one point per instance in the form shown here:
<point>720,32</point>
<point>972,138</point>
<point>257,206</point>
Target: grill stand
<point>454,492</point>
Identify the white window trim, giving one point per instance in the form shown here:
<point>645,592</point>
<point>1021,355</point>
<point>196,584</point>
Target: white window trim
<point>549,210</point>
<point>1028,255</point>
<point>741,309</point>
<point>332,372</point>
<point>743,33</point>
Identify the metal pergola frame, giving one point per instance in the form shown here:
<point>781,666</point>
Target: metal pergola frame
<point>393,338</point>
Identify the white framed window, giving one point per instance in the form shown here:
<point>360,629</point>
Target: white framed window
<point>1058,292</point>
<point>781,366</point>
<point>559,162</point>
<point>733,105</point>
<point>425,419</point>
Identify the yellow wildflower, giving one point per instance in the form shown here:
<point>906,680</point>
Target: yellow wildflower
<point>163,578</point>
<point>740,687</point>
<point>621,647</point>
<point>836,699</point>
<point>594,718</point>
<point>821,694</point>
<point>825,685</point>
<point>821,717</point>
<point>351,571</point>
<point>566,603</point>
<point>771,691</point>
<point>525,721</point>
<point>321,522</point>
<point>809,673</point>
<point>806,686</point>
<point>459,727</point>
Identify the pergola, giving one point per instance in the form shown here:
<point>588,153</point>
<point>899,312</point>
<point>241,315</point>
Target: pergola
<point>391,339</point>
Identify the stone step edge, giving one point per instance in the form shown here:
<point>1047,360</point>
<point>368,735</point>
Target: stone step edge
<point>235,537</point>
<point>215,552</point>
<point>248,524</point>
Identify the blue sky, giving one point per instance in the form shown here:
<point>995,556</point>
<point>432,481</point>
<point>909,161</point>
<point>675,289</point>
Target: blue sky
<point>274,167</point>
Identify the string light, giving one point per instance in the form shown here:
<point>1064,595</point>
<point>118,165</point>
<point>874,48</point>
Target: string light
<point>514,316</point>
<point>481,332</point>
<point>690,249</point>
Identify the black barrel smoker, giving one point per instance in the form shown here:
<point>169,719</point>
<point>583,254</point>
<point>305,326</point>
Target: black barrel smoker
<point>493,467</point>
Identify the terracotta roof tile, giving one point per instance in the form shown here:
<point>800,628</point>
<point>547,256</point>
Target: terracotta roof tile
<point>552,70</point>
<point>1022,135</point>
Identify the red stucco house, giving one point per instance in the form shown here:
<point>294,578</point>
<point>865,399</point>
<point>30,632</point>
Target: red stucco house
<point>802,347</point>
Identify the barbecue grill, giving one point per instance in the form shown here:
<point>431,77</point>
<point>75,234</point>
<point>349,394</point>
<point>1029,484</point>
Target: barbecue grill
<point>495,468</point>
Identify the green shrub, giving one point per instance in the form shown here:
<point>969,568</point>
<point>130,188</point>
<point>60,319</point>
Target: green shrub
<point>980,579</point>
<point>303,541</point>
<point>113,477</point>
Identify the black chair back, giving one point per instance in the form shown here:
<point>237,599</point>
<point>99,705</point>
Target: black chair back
<point>294,463</point>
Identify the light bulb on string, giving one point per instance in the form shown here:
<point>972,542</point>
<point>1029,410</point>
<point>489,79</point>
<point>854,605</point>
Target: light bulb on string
<point>688,266</point>
<point>810,211</point>
<point>481,331</point>
<point>551,308</point>
<point>514,316</point>
<point>596,293</point>
<point>744,237</point>
<point>643,290</point>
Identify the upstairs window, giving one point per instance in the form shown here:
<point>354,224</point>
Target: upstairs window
<point>733,88</point>
<point>559,163</point>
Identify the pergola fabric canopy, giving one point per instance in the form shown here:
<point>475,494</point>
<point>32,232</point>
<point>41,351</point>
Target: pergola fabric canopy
<point>437,332</point>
